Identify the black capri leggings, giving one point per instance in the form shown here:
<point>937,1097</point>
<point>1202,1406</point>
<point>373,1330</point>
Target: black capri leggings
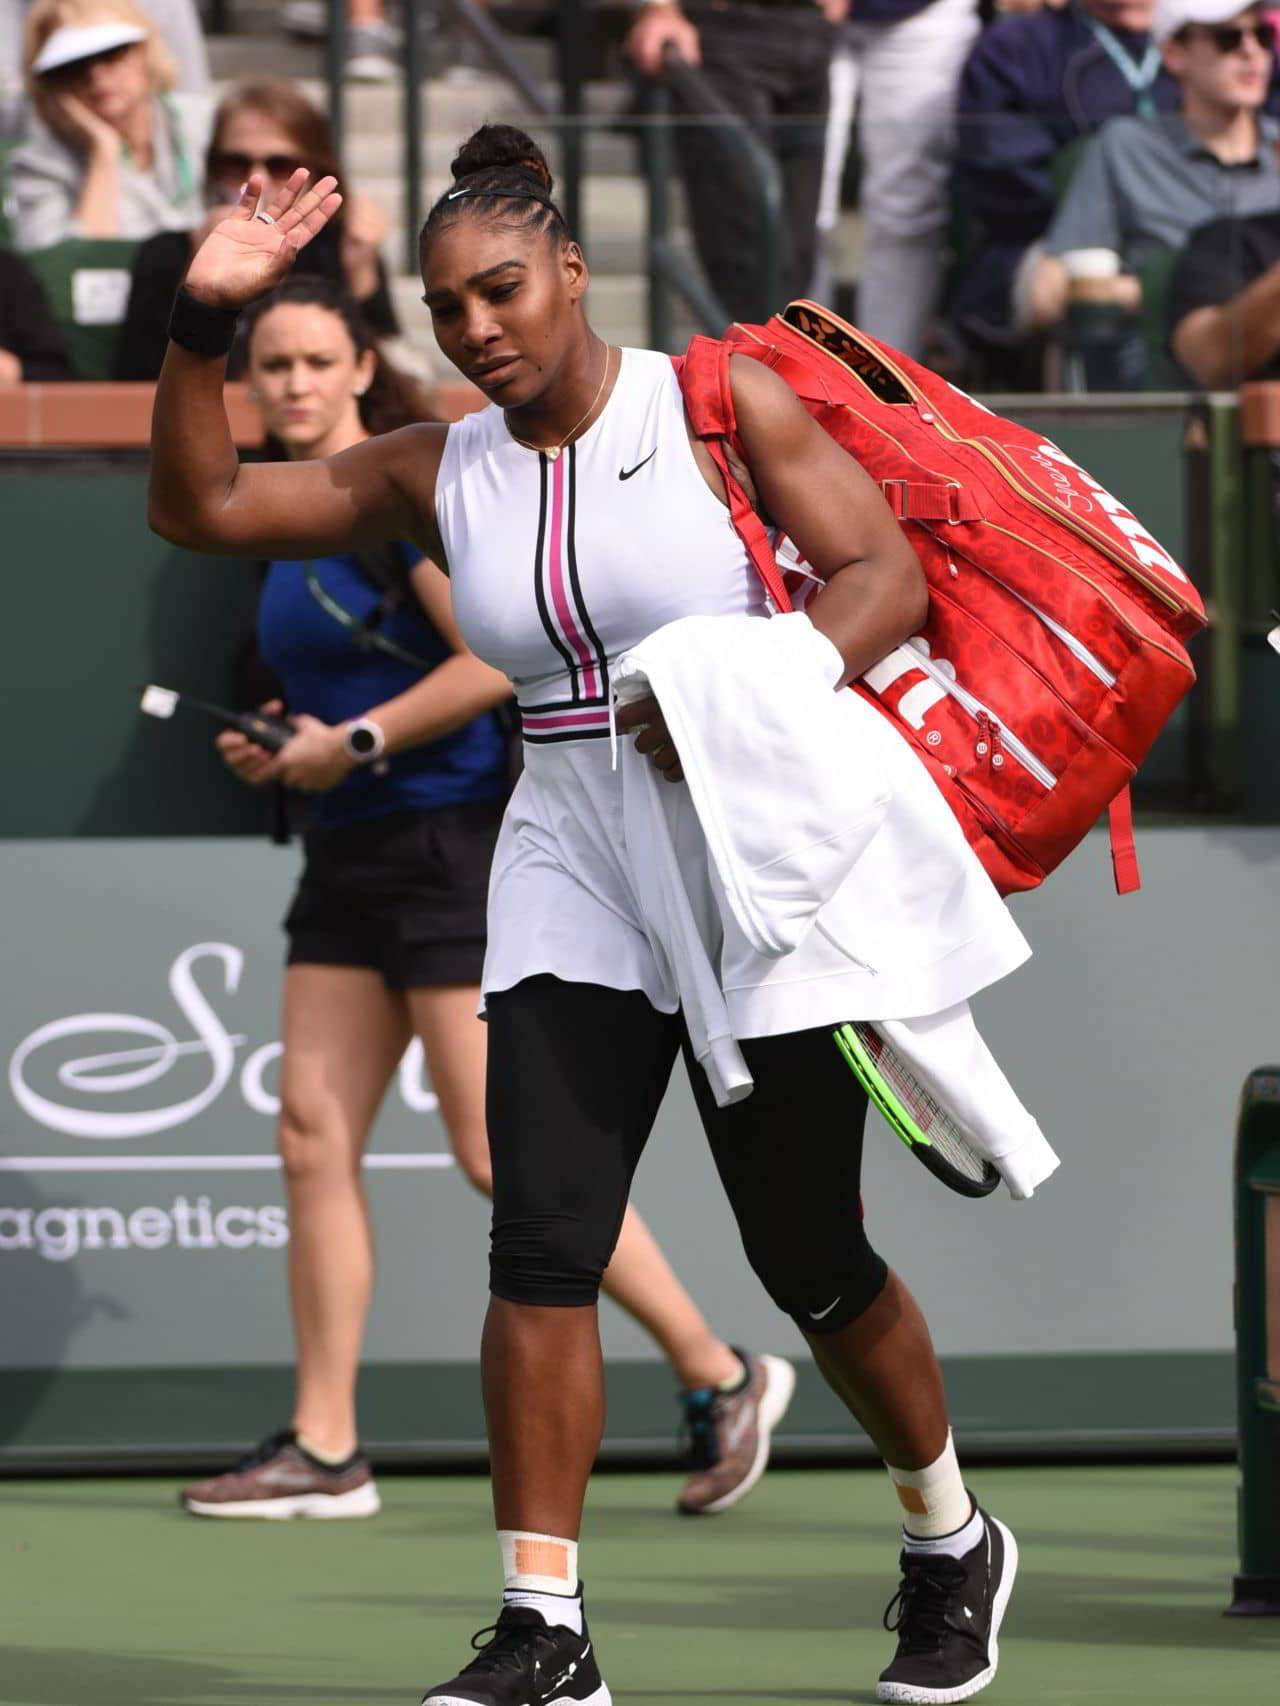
<point>576,1077</point>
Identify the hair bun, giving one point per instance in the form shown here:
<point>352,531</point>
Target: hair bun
<point>497,146</point>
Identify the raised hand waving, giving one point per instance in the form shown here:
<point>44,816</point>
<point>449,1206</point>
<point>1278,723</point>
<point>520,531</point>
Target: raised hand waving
<point>249,252</point>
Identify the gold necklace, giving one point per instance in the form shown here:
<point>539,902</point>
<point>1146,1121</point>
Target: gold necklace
<point>551,451</point>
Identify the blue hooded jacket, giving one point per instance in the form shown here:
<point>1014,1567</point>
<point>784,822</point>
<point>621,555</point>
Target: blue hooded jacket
<point>1031,87</point>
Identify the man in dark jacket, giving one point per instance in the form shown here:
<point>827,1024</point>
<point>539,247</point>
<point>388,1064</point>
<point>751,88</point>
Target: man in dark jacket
<point>31,346</point>
<point>1032,87</point>
<point>769,61</point>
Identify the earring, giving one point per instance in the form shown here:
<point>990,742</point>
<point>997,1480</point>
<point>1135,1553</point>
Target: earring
<point>359,390</point>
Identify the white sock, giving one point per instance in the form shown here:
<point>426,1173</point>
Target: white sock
<point>553,1608</point>
<point>934,1499</point>
<point>736,1382</point>
<point>954,1545</point>
<point>540,1573</point>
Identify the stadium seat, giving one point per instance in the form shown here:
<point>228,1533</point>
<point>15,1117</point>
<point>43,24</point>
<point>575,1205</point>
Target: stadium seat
<point>1156,275</point>
<point>87,282</point>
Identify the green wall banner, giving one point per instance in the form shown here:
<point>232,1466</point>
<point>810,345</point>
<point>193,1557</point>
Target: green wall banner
<point>143,1235</point>
<point>141,1213</point>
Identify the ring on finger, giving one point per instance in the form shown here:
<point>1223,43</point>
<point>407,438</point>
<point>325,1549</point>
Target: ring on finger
<point>266,218</point>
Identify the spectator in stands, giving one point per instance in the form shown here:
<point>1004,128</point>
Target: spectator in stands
<point>112,150</point>
<point>897,65</point>
<point>1033,88</point>
<point>1143,185</point>
<point>31,346</point>
<point>269,126</point>
<point>769,61</point>
<point>176,21</point>
<point>1224,302</point>
<point>373,41</point>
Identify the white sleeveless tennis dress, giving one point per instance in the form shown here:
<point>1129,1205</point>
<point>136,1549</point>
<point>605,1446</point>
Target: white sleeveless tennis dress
<point>559,566</point>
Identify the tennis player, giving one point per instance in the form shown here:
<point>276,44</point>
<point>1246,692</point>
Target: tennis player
<point>576,517</point>
<point>408,767</point>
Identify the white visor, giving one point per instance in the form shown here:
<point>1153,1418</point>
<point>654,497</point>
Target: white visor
<point>1173,15</point>
<point>74,42</point>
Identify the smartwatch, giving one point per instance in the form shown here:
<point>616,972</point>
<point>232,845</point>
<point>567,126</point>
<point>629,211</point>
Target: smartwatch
<point>363,741</point>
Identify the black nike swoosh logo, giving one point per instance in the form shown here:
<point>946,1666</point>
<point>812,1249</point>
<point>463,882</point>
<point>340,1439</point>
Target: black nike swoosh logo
<point>625,474</point>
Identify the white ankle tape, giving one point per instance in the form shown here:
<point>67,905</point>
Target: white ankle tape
<point>538,1563</point>
<point>934,1501</point>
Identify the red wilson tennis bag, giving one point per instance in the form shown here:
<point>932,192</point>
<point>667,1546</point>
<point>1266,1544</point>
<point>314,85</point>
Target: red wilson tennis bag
<point>1055,646</point>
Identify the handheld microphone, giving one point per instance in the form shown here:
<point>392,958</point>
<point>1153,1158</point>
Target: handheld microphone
<point>268,732</point>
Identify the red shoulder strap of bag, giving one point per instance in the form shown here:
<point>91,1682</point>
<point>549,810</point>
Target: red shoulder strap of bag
<point>708,396</point>
<point>708,399</point>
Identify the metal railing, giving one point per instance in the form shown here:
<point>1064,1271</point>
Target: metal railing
<point>759,185</point>
<point>420,46</point>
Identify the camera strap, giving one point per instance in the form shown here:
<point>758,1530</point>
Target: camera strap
<point>385,570</point>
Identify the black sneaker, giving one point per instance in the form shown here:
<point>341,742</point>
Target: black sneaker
<point>948,1616</point>
<point>523,1661</point>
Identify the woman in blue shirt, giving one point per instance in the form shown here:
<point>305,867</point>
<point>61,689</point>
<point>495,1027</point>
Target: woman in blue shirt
<point>398,740</point>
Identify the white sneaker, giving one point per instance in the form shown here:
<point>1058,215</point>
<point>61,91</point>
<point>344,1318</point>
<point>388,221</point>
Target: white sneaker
<point>372,51</point>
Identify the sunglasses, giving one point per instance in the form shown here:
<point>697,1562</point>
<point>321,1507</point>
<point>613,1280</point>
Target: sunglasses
<point>225,163</point>
<point>1230,38</point>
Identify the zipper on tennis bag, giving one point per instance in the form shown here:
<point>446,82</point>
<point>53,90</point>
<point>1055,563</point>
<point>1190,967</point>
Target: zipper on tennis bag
<point>1078,650</point>
<point>1076,647</point>
<point>996,733</point>
<point>1064,636</point>
<point>993,453</point>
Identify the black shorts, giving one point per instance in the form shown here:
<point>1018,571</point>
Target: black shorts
<point>403,894</point>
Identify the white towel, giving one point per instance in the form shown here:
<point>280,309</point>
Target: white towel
<point>787,801</point>
<point>795,785</point>
<point>816,813</point>
<point>674,933</point>
<point>951,1059</point>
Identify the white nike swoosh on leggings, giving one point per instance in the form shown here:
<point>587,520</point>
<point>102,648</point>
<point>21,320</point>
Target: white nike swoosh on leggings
<point>821,1314</point>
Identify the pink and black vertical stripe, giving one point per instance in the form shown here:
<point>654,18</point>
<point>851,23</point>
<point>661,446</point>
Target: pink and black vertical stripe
<point>584,713</point>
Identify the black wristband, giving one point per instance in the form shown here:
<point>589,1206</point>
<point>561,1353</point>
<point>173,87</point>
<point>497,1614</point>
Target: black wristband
<point>200,328</point>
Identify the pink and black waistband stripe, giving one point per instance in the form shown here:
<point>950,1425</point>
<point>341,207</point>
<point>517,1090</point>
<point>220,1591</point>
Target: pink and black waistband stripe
<point>558,589</point>
<point>544,724</point>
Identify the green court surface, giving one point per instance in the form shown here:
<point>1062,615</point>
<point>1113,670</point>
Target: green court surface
<point>112,1597</point>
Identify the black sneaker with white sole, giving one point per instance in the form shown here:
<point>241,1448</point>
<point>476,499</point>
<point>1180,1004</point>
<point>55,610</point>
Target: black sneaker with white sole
<point>947,1614</point>
<point>523,1661</point>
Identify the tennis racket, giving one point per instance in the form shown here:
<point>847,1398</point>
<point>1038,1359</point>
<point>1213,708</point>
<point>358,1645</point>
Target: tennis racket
<point>931,1132</point>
